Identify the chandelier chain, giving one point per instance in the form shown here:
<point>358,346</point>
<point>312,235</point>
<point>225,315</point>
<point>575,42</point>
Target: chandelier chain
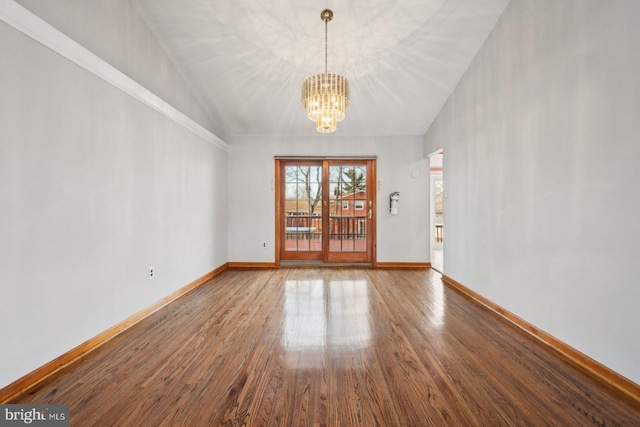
<point>326,25</point>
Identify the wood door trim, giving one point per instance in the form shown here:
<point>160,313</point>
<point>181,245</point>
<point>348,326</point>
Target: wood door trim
<point>280,161</point>
<point>303,158</point>
<point>278,216</point>
<point>326,215</point>
<point>374,223</point>
<point>348,257</point>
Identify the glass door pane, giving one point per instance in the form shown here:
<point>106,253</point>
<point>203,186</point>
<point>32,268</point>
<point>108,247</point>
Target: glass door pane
<point>303,207</point>
<point>348,207</point>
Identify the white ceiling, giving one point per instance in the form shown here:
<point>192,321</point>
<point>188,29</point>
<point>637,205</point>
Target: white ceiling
<point>246,59</point>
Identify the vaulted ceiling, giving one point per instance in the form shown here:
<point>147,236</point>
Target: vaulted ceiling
<point>246,59</point>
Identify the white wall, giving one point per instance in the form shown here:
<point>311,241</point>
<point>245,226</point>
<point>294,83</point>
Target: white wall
<point>541,170</point>
<point>401,238</point>
<point>95,186</point>
<point>114,31</point>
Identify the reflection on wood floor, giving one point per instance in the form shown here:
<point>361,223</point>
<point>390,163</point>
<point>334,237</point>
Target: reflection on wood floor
<point>333,347</point>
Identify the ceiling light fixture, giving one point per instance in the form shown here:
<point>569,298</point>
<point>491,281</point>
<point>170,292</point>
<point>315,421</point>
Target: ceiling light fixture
<point>325,96</point>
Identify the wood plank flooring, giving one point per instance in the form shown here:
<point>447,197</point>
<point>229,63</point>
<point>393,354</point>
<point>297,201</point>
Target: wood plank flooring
<point>329,347</point>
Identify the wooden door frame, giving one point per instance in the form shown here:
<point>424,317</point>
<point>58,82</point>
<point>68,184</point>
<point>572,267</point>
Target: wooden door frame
<point>280,223</point>
<point>279,220</point>
<point>349,257</point>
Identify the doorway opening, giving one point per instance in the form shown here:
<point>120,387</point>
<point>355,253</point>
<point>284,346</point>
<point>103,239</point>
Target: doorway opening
<point>325,211</point>
<point>437,210</point>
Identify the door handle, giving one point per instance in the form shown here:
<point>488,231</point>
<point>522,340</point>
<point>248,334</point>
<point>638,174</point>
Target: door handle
<point>370,213</point>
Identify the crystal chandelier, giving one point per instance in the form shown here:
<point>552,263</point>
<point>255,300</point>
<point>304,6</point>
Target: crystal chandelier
<point>325,96</point>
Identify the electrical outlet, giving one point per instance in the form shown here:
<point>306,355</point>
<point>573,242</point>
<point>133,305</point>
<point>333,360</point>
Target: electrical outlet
<point>264,244</point>
<point>152,272</point>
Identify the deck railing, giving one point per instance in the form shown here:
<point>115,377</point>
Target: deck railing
<point>340,227</point>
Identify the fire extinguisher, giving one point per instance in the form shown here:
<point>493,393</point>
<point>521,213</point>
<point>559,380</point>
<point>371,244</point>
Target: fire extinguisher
<point>393,202</point>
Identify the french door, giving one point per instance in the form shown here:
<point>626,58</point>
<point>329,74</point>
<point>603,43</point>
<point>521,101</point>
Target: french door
<point>325,210</point>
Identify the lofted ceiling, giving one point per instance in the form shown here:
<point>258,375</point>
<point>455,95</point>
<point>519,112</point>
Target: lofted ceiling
<point>245,59</point>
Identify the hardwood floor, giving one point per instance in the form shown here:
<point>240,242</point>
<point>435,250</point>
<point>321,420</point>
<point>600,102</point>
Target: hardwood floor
<point>329,347</point>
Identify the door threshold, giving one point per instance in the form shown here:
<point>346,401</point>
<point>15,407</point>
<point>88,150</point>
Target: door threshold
<point>320,264</point>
